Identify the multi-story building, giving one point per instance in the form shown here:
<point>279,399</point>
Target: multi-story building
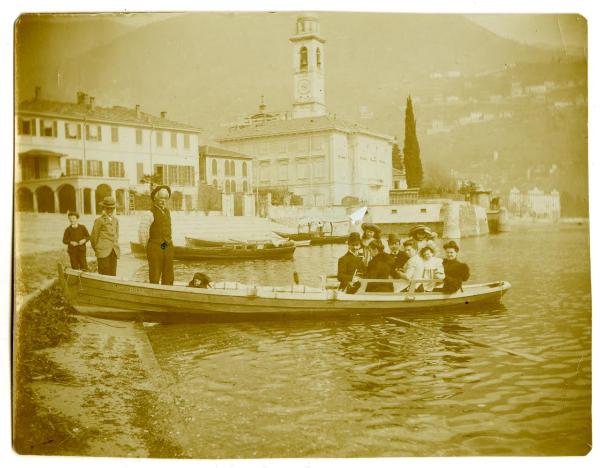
<point>231,174</point>
<point>311,153</point>
<point>71,155</point>
<point>534,203</point>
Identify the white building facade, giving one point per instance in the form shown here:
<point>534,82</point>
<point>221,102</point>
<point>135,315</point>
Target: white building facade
<point>309,152</point>
<point>534,203</point>
<point>71,155</point>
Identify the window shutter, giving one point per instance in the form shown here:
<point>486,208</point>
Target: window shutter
<point>99,133</point>
<point>33,121</point>
<point>66,130</point>
<point>55,129</point>
<point>87,132</point>
<point>42,127</point>
<point>79,131</point>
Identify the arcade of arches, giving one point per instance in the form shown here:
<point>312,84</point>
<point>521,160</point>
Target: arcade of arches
<point>63,197</point>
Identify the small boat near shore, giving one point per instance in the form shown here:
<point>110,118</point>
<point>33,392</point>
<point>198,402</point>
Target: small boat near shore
<point>198,242</point>
<point>225,252</point>
<point>314,238</point>
<point>124,299</point>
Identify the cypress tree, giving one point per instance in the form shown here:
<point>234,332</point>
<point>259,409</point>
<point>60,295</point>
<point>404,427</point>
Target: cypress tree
<point>412,152</point>
<point>397,157</point>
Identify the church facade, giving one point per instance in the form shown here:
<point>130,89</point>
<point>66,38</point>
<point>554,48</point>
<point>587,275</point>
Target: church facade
<point>309,152</point>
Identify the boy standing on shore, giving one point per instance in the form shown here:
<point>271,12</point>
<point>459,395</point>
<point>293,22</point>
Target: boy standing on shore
<point>75,237</point>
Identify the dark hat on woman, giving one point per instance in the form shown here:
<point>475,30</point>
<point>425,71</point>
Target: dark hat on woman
<point>73,213</point>
<point>108,202</point>
<point>420,228</point>
<point>157,189</point>
<point>371,227</point>
<point>354,238</point>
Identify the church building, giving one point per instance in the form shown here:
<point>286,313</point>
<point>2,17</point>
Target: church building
<point>308,151</point>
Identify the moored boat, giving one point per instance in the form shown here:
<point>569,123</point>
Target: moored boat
<point>225,252</point>
<point>315,238</point>
<point>123,299</point>
<point>198,242</point>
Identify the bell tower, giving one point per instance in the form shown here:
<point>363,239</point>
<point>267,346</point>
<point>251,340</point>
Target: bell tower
<point>309,68</point>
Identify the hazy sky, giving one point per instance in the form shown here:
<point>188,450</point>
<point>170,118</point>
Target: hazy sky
<point>548,29</point>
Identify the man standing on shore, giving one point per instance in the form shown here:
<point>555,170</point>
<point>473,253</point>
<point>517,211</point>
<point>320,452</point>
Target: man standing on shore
<point>105,238</point>
<point>155,234</point>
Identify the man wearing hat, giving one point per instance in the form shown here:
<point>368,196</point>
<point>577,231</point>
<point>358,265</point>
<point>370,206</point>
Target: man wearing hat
<point>350,264</point>
<point>155,234</point>
<point>105,238</point>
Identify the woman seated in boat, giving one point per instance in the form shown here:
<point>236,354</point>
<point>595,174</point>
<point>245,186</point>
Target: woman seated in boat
<point>380,267</point>
<point>456,272</point>
<point>397,254</point>
<point>200,280</point>
<point>433,269</point>
<point>371,232</point>
<point>423,236</point>
<point>413,268</point>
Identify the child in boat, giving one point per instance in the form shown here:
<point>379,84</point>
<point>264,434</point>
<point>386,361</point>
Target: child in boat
<point>371,232</point>
<point>75,237</point>
<point>456,272</point>
<point>433,268</point>
<point>200,280</point>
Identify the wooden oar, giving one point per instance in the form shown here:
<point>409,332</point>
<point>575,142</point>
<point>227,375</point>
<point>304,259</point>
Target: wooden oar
<point>469,340</point>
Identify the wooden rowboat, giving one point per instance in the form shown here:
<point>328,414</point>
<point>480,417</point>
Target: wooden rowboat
<point>198,243</point>
<point>314,238</point>
<point>117,298</point>
<point>224,252</point>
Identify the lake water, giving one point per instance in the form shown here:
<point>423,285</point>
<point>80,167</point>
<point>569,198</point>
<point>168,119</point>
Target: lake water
<point>368,387</point>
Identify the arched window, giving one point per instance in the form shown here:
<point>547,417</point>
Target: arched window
<point>245,187</point>
<point>303,59</point>
<point>233,189</point>
<point>318,58</point>
<point>244,169</point>
<point>226,168</point>
<point>227,187</point>
<point>232,168</point>
<point>215,183</point>
<point>214,167</point>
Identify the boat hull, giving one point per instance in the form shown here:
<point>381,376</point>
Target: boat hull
<point>229,252</point>
<point>116,298</point>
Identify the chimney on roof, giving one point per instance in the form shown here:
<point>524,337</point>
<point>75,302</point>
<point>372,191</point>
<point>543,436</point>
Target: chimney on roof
<point>163,114</point>
<point>138,114</point>
<point>81,98</point>
<point>38,93</point>
<point>92,102</point>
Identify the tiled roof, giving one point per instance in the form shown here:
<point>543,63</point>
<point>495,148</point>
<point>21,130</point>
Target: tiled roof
<point>115,114</point>
<point>300,125</point>
<point>222,152</point>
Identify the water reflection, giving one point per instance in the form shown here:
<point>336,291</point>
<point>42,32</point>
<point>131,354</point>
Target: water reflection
<point>369,386</point>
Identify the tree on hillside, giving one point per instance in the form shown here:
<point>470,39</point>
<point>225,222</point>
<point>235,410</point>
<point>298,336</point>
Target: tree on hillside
<point>412,152</point>
<point>397,162</point>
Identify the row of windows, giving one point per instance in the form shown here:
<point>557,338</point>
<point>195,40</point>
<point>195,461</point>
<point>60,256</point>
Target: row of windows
<point>73,131</point>
<point>229,168</point>
<point>171,174</point>
<point>281,171</point>
<point>231,187</point>
<point>94,168</point>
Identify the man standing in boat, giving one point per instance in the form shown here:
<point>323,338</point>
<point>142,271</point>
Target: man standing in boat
<point>155,234</point>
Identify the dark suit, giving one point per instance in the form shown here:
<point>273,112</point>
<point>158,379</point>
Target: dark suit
<point>348,265</point>
<point>159,250</point>
<point>380,267</point>
<point>456,272</point>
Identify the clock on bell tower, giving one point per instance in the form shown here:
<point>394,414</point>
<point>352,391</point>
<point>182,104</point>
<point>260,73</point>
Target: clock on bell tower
<point>309,68</point>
